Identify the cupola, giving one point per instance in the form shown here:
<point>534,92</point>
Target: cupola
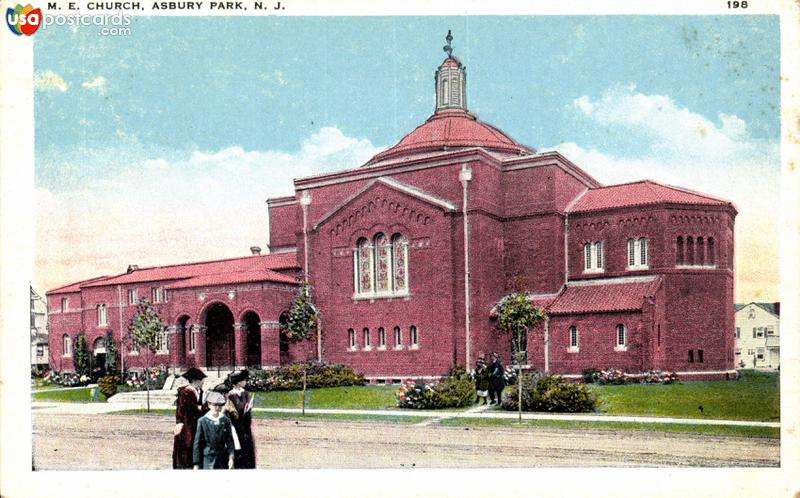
<point>451,81</point>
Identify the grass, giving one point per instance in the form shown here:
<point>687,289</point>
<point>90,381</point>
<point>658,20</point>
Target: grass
<point>84,395</point>
<point>715,430</point>
<point>345,398</point>
<point>756,396</point>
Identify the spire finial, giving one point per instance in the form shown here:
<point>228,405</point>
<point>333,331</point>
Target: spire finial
<point>448,48</point>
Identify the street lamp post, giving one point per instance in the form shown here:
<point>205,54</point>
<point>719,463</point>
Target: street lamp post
<point>465,176</point>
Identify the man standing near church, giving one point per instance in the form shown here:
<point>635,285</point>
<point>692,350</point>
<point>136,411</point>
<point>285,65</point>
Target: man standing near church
<point>498,381</point>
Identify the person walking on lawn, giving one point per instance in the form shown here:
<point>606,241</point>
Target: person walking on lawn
<point>188,410</point>
<point>213,442</point>
<point>498,382</point>
<point>482,381</point>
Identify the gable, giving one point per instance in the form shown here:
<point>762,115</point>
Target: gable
<point>387,196</point>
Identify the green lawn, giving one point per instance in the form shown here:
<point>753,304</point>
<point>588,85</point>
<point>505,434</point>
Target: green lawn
<point>83,395</point>
<point>716,430</point>
<point>351,397</point>
<point>756,396</point>
<point>390,419</point>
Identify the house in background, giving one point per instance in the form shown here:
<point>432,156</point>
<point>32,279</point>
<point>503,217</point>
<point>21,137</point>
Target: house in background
<point>758,335</point>
<point>39,338</point>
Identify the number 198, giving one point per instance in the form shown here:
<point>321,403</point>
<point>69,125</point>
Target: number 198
<point>737,4</point>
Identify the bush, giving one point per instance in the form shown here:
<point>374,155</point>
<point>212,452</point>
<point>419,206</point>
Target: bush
<point>608,376</point>
<point>108,385</point>
<point>137,381</point>
<point>549,393</point>
<point>658,377</point>
<point>455,390</point>
<point>290,377</point>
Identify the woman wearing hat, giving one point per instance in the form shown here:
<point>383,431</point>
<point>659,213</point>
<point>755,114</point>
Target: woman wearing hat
<point>189,409</point>
<point>240,410</point>
<point>214,443</point>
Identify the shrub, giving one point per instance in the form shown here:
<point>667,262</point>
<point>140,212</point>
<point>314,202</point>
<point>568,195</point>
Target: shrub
<point>290,377</point>
<point>108,385</point>
<point>658,377</point>
<point>455,390</point>
<point>137,381</point>
<point>609,376</point>
<point>549,393</point>
<point>82,361</point>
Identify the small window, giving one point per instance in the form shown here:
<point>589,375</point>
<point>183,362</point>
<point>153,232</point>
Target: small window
<point>699,356</point>
<point>738,332</point>
<point>637,253</point>
<point>351,338</point>
<point>381,337</point>
<point>164,292</point>
<point>414,337</point>
<point>67,345</point>
<point>659,334</point>
<point>738,351</point>
<point>573,337</point>
<point>760,353</point>
<point>622,336</point>
<point>751,351</point>
<point>593,256</point>
<point>39,350</point>
<point>691,356</point>
<point>156,292</point>
<point>163,342</point>
<point>64,304</point>
<point>760,332</point>
<point>398,338</point>
<point>134,345</point>
<point>192,339</point>
<point>679,252</point>
<point>132,296</point>
<point>770,330</point>
<point>102,315</point>
<point>367,339</point>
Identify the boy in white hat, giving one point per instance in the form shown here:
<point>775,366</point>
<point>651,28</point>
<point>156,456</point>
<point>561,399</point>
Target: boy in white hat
<point>213,442</point>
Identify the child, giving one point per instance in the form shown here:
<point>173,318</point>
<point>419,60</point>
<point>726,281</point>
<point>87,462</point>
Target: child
<point>213,442</point>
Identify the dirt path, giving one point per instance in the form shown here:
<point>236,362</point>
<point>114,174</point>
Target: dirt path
<point>93,442</point>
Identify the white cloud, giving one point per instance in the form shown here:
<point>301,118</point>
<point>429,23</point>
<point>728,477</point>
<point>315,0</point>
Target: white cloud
<point>97,84</point>
<point>687,149</point>
<point>49,81</point>
<point>206,204</point>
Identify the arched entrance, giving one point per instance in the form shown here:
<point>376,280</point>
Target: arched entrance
<point>252,324</point>
<point>284,339</point>
<point>181,332</point>
<point>219,336</point>
<point>99,353</point>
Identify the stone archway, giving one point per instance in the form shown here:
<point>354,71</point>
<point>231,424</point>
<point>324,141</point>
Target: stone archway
<point>219,336</point>
<point>99,353</point>
<point>252,327</point>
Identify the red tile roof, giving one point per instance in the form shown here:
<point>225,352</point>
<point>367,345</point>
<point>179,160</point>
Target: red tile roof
<point>640,193</point>
<point>243,269</point>
<point>74,287</point>
<point>452,128</point>
<point>604,295</point>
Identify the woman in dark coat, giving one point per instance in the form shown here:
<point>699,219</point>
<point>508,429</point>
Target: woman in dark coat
<point>498,381</point>
<point>482,381</point>
<point>214,441</point>
<point>188,410</point>
<point>240,411</point>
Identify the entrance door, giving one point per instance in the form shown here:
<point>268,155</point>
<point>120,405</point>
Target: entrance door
<point>219,336</point>
<point>253,339</point>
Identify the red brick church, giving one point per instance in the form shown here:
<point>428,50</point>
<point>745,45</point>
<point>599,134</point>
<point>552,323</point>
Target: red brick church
<point>409,253</point>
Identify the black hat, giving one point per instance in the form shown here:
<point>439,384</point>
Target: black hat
<point>238,376</point>
<point>222,388</point>
<point>193,374</point>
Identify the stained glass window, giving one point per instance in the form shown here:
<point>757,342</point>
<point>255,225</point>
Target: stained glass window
<point>383,260</point>
<point>364,256</point>
<point>400,266</point>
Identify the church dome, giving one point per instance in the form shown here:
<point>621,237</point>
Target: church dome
<point>451,129</point>
<point>451,126</point>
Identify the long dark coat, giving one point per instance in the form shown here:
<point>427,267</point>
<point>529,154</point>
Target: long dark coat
<point>187,412</point>
<point>497,373</point>
<point>242,418</point>
<point>213,443</point>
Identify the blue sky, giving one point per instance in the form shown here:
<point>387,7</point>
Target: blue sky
<point>267,98</point>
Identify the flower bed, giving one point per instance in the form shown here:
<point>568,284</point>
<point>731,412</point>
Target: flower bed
<point>615,376</point>
<point>455,390</point>
<point>137,380</point>
<point>290,377</point>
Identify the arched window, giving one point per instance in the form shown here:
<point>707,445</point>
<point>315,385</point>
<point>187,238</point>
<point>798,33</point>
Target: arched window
<point>367,339</point>
<point>351,338</point>
<point>593,256</point>
<point>400,263</point>
<point>163,342</point>
<point>66,345</point>
<point>102,315</point>
<point>398,338</point>
<point>414,336</point>
<point>631,252</point>
<point>712,257</point>
<point>644,258</point>
<point>701,251</point>
<point>192,339</point>
<point>364,266</point>
<point>381,338</point>
<point>573,337</point>
<point>637,253</point>
<point>383,265</point>
<point>622,336</point>
<point>690,250</point>
<point>679,257</point>
<point>445,92</point>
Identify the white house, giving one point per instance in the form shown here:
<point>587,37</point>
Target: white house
<point>40,355</point>
<point>758,335</point>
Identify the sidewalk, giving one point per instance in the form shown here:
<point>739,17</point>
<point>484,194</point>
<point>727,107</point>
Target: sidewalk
<point>483,411</point>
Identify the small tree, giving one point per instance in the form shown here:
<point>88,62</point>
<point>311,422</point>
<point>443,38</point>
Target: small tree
<point>301,320</point>
<point>516,315</point>
<point>146,329</point>
<point>82,361</point>
<point>111,353</point>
